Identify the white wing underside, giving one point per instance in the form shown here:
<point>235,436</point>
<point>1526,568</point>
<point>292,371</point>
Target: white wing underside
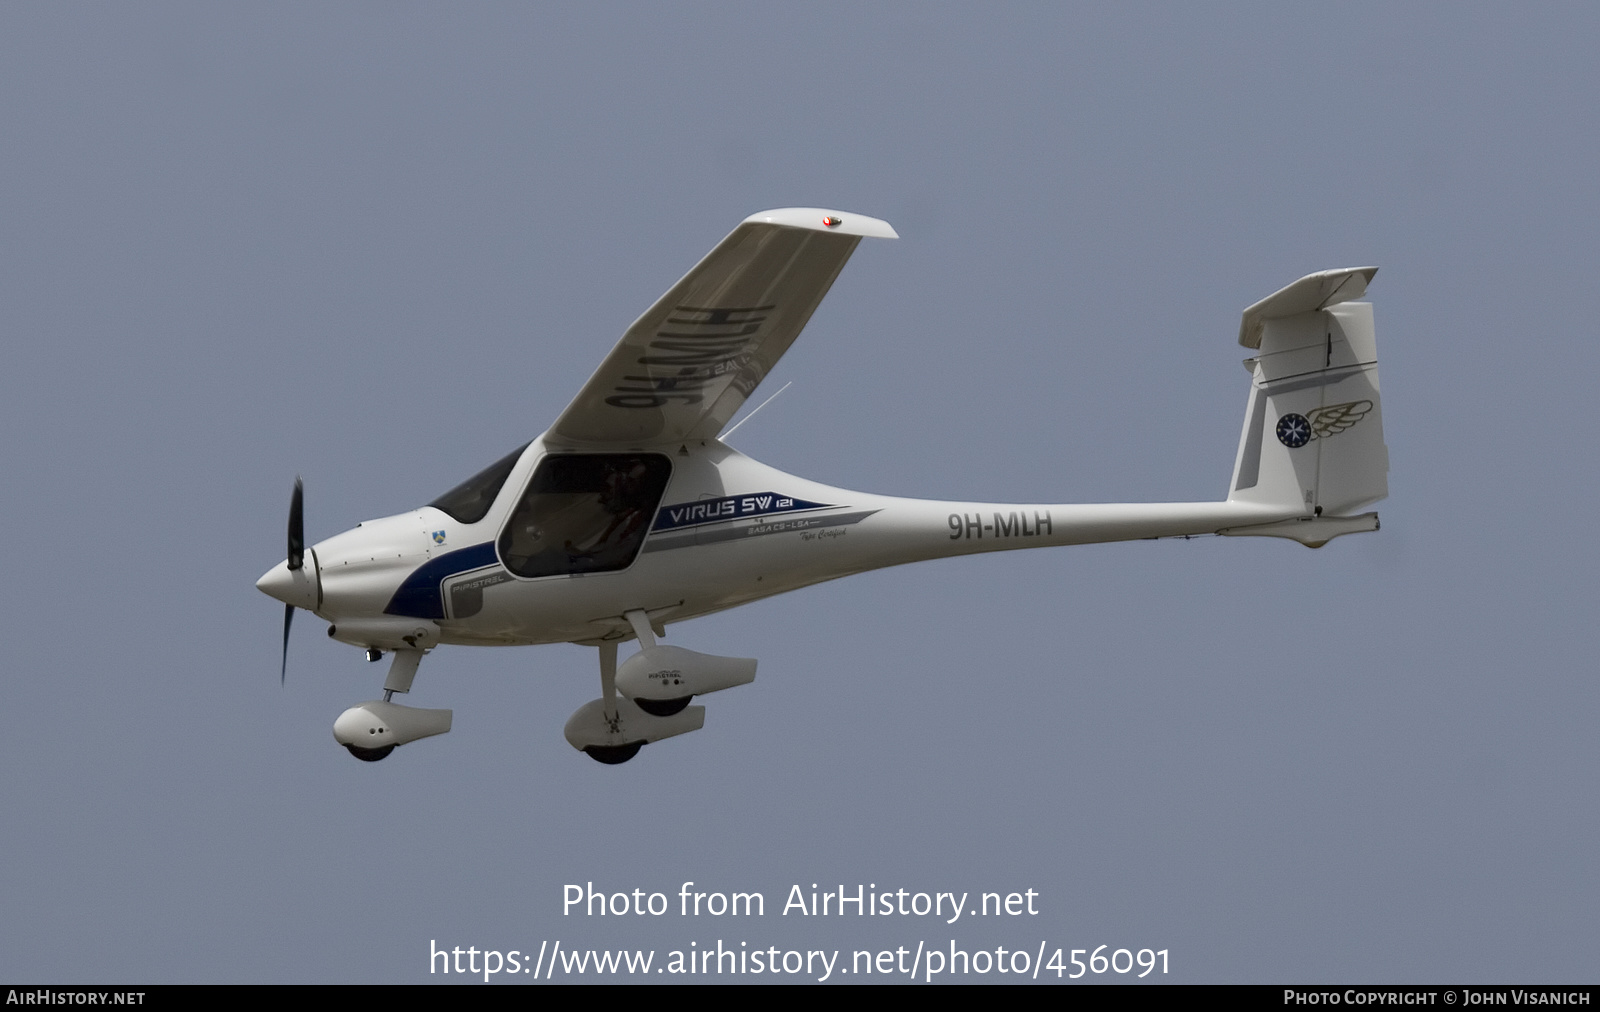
<point>684,368</point>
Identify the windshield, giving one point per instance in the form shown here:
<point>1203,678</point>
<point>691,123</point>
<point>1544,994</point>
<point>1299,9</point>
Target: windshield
<point>469,501</point>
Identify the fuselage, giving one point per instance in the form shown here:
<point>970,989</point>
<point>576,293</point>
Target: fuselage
<point>569,541</point>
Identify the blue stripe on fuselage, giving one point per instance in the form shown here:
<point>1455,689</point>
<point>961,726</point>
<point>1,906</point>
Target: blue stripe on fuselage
<point>420,597</point>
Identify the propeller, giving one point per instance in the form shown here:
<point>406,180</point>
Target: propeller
<point>297,560</point>
<point>288,620</point>
<point>297,526</point>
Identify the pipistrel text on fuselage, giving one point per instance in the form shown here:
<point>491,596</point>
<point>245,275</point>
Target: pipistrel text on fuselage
<point>630,514</point>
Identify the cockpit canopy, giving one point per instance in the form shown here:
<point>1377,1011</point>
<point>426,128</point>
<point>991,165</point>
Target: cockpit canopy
<point>584,513</point>
<point>469,501</point>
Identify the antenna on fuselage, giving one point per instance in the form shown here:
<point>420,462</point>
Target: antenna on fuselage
<point>758,407</point>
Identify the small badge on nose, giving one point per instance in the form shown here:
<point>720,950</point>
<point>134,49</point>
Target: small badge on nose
<point>438,537</point>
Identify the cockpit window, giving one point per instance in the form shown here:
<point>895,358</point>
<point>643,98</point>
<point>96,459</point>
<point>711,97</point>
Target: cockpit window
<point>584,513</point>
<point>469,501</point>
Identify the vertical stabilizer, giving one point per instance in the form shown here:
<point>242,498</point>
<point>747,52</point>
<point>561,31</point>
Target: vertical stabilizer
<point>1313,432</point>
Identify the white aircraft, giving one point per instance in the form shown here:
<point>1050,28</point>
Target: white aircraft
<point>631,514</point>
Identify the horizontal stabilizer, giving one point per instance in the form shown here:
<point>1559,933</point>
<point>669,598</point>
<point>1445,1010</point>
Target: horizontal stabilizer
<point>1312,292</point>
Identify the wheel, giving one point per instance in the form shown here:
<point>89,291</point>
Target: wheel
<point>370,755</point>
<point>663,707</point>
<point>614,755</point>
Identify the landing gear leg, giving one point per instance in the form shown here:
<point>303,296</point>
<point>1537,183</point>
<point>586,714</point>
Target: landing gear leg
<point>372,730</point>
<point>640,621</point>
<point>641,628</point>
<point>611,755</point>
<point>401,671</point>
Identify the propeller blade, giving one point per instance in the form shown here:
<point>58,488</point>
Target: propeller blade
<point>297,530</point>
<point>288,620</point>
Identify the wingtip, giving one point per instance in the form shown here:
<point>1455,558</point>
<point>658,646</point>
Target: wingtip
<point>821,219</point>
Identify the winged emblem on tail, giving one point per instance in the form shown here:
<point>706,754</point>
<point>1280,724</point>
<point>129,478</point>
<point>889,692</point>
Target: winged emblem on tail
<point>1335,418</point>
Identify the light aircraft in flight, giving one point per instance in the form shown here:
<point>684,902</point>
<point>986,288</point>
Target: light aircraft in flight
<point>630,514</point>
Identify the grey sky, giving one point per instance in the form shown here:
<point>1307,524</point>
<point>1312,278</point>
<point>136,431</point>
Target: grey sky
<point>381,245</point>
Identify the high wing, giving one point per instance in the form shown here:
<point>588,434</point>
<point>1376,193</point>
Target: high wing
<point>685,366</point>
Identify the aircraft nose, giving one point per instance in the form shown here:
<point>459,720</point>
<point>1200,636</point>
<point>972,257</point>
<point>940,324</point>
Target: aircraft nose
<point>298,587</point>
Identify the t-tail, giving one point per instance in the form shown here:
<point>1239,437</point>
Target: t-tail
<point>1313,430</point>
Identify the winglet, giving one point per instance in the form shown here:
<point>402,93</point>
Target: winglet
<point>820,219</point>
<point>1314,291</point>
